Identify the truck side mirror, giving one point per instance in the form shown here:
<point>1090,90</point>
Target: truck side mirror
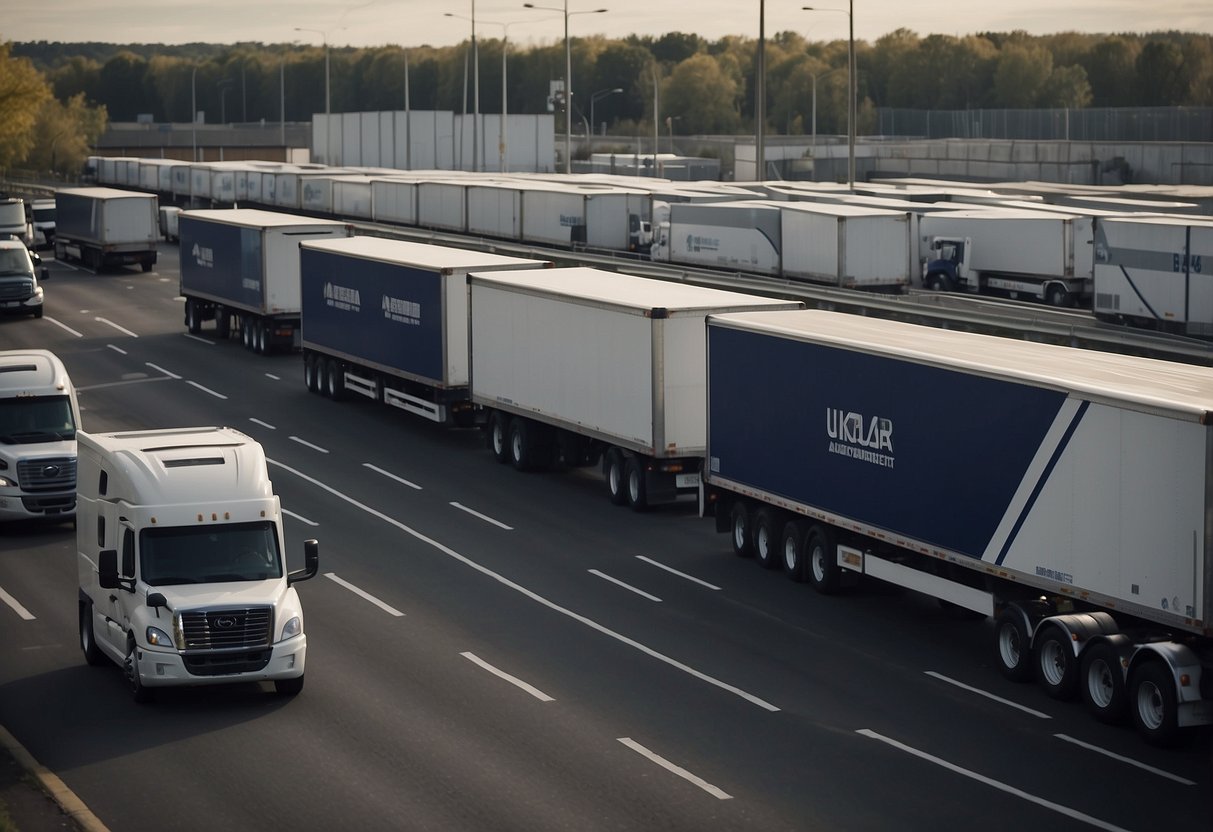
<point>311,563</point>
<point>107,568</point>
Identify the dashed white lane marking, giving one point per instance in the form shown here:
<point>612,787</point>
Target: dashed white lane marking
<point>987,695</point>
<point>483,517</point>
<point>25,614</point>
<point>263,424</point>
<point>121,329</point>
<point>299,517</point>
<point>200,339</point>
<point>513,680</point>
<point>162,370</point>
<point>63,326</point>
<point>1128,760</point>
<point>391,476</point>
<point>205,389</point>
<point>674,571</point>
<point>628,587</point>
<point>274,377</point>
<point>307,444</point>
<point>361,593</point>
<point>679,770</point>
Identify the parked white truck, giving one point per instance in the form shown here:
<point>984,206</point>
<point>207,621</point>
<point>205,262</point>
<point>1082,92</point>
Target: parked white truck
<point>182,570</point>
<point>39,418</point>
<point>576,365</point>
<point>1041,255</point>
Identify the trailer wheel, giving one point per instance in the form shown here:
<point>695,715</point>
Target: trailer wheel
<point>519,446</point>
<point>791,549</point>
<point>1154,704</point>
<point>1057,295</point>
<point>637,490</point>
<point>1056,664</point>
<point>613,473</point>
<point>1014,646</point>
<point>147,265</point>
<point>88,639</point>
<point>739,524</point>
<point>1102,683</point>
<point>334,377</point>
<point>192,324</point>
<point>246,333</point>
<point>499,436</point>
<point>766,538</point>
<point>309,373</point>
<point>822,560</point>
<point>261,333</point>
<point>939,282</point>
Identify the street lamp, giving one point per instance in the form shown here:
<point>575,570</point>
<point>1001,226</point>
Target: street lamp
<point>194,112</point>
<point>224,86</point>
<point>851,109</point>
<point>594,98</point>
<point>476,154</point>
<point>815,76</point>
<point>568,76</point>
<point>328,128</point>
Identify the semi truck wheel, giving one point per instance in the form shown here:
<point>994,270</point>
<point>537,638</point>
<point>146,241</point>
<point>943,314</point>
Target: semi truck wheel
<point>822,561</point>
<point>613,472</point>
<point>193,324</point>
<point>519,445</point>
<point>334,378</point>
<point>637,489</point>
<point>791,548</point>
<point>1056,664</point>
<point>739,523</point>
<point>1153,701</point>
<point>309,372</point>
<point>261,329</point>
<point>88,641</point>
<point>1014,646</point>
<point>138,692</point>
<point>1057,296</point>
<point>499,436</point>
<point>766,538</point>
<point>1102,683</point>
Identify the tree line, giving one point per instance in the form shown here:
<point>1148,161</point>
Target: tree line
<point>700,86</point>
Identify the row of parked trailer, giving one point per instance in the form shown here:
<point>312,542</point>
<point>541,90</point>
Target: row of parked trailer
<point>1144,267</point>
<point>1062,492</point>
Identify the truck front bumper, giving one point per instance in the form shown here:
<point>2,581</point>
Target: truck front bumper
<point>18,505</point>
<point>163,669</point>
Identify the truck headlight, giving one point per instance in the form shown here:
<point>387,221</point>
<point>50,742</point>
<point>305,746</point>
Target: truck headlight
<point>7,482</point>
<point>292,628</point>
<point>158,638</point>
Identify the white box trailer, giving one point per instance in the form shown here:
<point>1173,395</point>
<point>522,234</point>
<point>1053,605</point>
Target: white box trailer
<point>743,236</point>
<point>1037,254</point>
<point>394,201</point>
<point>495,210</point>
<point>576,365</point>
<point>553,214</point>
<point>352,196</point>
<point>442,205</point>
<point>1065,492</point>
<point>850,246</point>
<point>1156,272</point>
<point>182,183</point>
<point>155,175</point>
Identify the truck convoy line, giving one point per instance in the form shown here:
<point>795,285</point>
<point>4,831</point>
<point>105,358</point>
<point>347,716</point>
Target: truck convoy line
<point>102,227</point>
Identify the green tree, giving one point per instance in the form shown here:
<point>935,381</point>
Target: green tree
<point>1160,71</point>
<point>64,134</point>
<point>702,96</point>
<point>1111,67</point>
<point>1066,87</point>
<point>22,92</point>
<point>1020,74</point>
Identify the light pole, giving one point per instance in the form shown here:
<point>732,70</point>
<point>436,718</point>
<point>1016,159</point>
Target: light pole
<point>568,76</point>
<point>594,98</point>
<point>851,108</point>
<point>815,76</point>
<point>328,128</point>
<point>224,86</point>
<point>194,112</point>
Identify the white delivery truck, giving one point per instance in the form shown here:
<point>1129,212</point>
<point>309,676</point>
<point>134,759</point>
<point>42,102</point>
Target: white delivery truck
<point>106,227</point>
<point>181,562</point>
<point>576,365</point>
<point>39,417</point>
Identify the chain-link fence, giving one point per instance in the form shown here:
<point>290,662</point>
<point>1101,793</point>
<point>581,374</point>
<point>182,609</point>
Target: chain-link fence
<point>1130,124</point>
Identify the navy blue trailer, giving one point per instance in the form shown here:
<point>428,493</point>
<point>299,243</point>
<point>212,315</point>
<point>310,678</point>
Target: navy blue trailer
<point>1064,492</point>
<point>387,319</point>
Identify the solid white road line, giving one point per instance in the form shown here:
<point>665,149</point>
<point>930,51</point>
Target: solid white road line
<point>161,369</point>
<point>391,476</point>
<point>274,377</point>
<point>121,329</point>
<point>988,695</point>
<point>1128,760</point>
<point>16,605</point>
<point>673,571</point>
<point>116,349</point>
<point>1011,790</point>
<point>483,517</point>
<point>534,596</point>
<point>205,389</point>
<point>299,517</point>
<point>307,444</point>
<point>263,424</point>
<point>628,587</point>
<point>199,339</point>
<point>390,610</point>
<point>513,680</point>
<point>62,325</point>
<point>679,770</point>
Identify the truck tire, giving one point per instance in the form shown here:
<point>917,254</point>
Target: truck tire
<point>246,333</point>
<point>520,444</point>
<point>310,372</point>
<point>739,529</point>
<point>1102,683</point>
<point>637,488</point>
<point>499,436</point>
<point>1057,296</point>
<point>1153,703</point>
<point>334,380</point>
<point>791,550</point>
<point>766,538</point>
<point>88,640</point>
<point>616,481</point>
<point>1056,664</point>
<point>261,337</point>
<point>821,560</point>
<point>147,265</point>
<point>1013,646</point>
<point>289,687</point>
<point>193,320</point>
<point>938,281</point>
<point>134,684</point>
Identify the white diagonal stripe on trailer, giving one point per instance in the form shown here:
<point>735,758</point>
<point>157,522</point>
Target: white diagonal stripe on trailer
<point>679,770</point>
<point>513,680</point>
<point>361,593</point>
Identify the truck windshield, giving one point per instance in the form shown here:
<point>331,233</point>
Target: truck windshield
<point>36,419</point>
<point>209,554</point>
<point>15,261</point>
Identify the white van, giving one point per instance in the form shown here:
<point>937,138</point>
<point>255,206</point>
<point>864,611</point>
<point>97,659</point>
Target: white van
<point>39,416</point>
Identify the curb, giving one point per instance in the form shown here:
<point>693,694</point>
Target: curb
<point>71,805</point>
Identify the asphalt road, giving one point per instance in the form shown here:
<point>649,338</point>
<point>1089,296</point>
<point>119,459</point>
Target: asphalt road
<point>490,650</point>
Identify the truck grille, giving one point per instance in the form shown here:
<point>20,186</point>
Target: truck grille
<point>226,629</point>
<point>223,664</point>
<point>38,475</point>
<point>16,289</point>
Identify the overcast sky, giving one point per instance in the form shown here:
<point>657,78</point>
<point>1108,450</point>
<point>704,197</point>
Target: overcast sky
<point>418,22</point>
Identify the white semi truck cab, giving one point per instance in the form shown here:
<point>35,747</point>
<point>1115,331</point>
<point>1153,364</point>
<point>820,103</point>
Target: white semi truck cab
<point>39,416</point>
<point>182,572</point>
